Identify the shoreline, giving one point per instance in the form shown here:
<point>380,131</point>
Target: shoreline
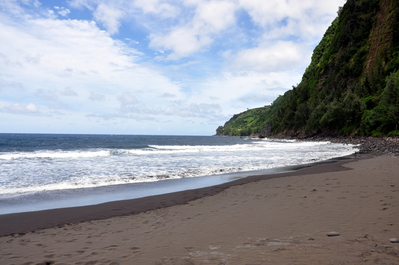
<point>93,176</point>
<point>70,198</point>
<point>383,145</point>
<point>121,192</point>
<point>25,222</point>
<point>278,219</point>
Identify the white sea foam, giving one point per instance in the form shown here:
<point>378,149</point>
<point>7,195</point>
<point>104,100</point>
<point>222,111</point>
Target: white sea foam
<point>30,172</point>
<point>162,149</point>
<point>53,154</point>
<point>81,183</point>
<point>73,166</point>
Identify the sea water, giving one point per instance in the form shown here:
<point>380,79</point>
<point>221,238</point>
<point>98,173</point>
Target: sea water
<point>45,171</point>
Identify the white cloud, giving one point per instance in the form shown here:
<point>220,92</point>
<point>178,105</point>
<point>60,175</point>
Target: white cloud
<point>48,95</point>
<point>275,57</point>
<point>203,110</point>
<point>184,28</point>
<point>269,12</point>
<point>182,41</point>
<point>198,33</point>
<point>128,103</point>
<point>164,95</point>
<point>62,11</point>
<point>69,92</point>
<point>25,109</point>
<point>214,16</point>
<point>13,6</point>
<point>96,97</point>
<point>200,61</point>
<point>83,3</point>
<point>243,89</point>
<point>65,54</point>
<point>157,7</point>
<point>110,17</point>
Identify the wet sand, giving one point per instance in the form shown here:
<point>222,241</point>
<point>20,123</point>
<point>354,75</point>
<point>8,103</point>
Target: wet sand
<point>276,219</point>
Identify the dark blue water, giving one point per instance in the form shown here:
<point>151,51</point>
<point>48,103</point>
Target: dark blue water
<point>34,142</point>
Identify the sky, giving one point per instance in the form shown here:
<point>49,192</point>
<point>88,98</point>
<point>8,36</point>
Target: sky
<point>153,67</point>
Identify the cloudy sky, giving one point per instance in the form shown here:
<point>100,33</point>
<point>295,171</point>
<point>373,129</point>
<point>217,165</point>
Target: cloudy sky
<point>179,67</point>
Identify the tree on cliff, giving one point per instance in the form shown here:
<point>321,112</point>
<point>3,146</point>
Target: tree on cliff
<point>351,86</point>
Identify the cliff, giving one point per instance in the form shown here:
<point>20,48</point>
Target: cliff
<point>351,86</point>
<point>250,122</point>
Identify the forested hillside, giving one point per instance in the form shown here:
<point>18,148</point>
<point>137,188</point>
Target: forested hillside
<point>250,122</point>
<point>351,86</point>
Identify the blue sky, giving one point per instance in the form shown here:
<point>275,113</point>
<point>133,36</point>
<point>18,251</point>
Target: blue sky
<point>179,67</point>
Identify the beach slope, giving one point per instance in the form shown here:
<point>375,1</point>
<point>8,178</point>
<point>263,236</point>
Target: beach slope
<point>279,220</point>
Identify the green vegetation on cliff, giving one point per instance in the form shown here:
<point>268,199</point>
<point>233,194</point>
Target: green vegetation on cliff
<point>351,86</point>
<point>250,122</point>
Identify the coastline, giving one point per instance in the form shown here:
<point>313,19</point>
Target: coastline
<point>25,222</point>
<point>368,144</point>
<point>59,178</point>
<point>280,219</point>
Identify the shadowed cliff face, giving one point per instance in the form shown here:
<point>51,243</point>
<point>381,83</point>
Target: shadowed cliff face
<point>351,86</point>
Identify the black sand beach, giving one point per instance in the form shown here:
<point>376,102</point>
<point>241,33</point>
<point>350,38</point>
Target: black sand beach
<point>272,219</point>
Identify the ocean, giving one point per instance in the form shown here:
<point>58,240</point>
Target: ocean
<point>46,171</point>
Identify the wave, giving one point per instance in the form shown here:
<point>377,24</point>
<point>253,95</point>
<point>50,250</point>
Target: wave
<point>275,145</point>
<point>82,183</point>
<point>161,149</point>
<point>96,181</point>
<point>125,166</point>
<point>53,154</point>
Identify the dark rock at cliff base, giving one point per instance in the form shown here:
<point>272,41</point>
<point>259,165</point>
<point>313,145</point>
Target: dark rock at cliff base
<point>372,145</point>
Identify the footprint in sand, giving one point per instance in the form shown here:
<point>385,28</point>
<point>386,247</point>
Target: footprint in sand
<point>136,250</point>
<point>24,242</point>
<point>46,262</point>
